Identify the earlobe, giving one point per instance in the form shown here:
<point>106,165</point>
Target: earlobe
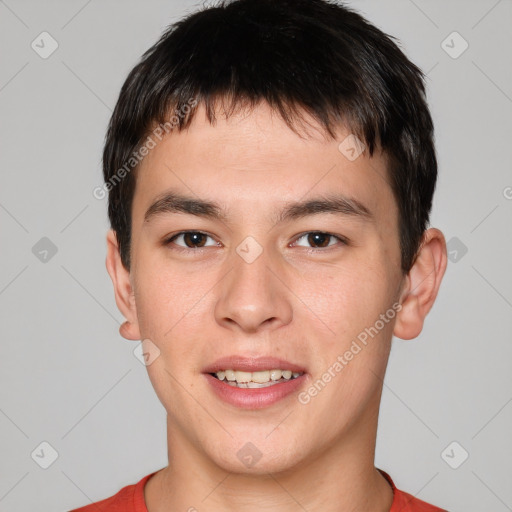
<point>122,289</point>
<point>129,331</point>
<point>422,285</point>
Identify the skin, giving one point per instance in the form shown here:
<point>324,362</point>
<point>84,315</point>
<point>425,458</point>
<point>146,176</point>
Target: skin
<point>298,301</point>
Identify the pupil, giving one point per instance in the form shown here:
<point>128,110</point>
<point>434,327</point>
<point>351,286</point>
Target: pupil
<point>320,239</point>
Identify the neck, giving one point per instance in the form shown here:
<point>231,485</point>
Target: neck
<point>341,479</point>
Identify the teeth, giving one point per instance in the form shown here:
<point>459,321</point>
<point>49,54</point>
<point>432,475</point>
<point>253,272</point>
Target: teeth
<point>275,374</point>
<point>243,376</point>
<point>260,377</point>
<point>257,384</point>
<point>256,379</point>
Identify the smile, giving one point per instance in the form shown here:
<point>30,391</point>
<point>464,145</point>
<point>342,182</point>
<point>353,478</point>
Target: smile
<point>259,379</point>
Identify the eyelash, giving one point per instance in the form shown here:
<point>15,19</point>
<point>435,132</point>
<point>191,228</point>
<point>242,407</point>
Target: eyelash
<point>168,241</point>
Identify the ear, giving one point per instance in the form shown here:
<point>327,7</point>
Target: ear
<point>421,285</point>
<point>125,298</point>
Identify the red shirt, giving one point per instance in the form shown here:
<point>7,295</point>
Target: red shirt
<point>131,499</point>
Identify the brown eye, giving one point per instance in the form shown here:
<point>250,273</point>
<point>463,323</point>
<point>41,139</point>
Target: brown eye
<point>320,240</point>
<point>191,239</point>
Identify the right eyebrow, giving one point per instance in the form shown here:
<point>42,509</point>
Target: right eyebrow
<point>172,202</point>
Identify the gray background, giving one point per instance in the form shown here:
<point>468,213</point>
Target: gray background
<point>67,376</point>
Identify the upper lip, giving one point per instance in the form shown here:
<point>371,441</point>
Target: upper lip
<point>252,364</point>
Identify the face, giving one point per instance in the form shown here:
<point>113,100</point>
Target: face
<point>281,253</point>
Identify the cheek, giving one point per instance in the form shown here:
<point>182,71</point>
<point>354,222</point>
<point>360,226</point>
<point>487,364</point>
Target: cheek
<point>171,312</point>
<point>167,297</point>
<point>345,299</point>
<point>169,305</point>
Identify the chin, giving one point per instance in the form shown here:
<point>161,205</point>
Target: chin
<point>257,454</point>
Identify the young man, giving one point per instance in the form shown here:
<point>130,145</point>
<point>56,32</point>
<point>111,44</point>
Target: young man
<point>270,168</point>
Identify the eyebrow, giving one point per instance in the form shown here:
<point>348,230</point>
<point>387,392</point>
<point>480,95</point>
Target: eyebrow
<point>173,202</point>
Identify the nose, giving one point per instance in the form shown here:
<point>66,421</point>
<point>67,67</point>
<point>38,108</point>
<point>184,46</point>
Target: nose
<point>252,297</point>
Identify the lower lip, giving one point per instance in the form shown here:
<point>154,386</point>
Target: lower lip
<point>253,398</point>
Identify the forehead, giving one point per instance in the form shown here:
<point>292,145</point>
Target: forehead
<point>253,157</point>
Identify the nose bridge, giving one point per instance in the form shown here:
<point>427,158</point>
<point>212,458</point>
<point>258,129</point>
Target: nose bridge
<point>251,296</point>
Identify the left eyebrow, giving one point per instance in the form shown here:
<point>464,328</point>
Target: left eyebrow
<point>172,202</point>
<point>338,204</point>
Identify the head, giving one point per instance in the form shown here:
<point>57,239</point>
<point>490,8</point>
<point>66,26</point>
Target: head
<point>294,139</point>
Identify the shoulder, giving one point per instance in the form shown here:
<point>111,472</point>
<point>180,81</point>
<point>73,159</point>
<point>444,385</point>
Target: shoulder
<point>128,499</point>
<point>404,502</point>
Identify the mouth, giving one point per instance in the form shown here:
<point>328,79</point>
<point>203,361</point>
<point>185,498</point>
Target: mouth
<point>259,379</point>
<point>254,383</point>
